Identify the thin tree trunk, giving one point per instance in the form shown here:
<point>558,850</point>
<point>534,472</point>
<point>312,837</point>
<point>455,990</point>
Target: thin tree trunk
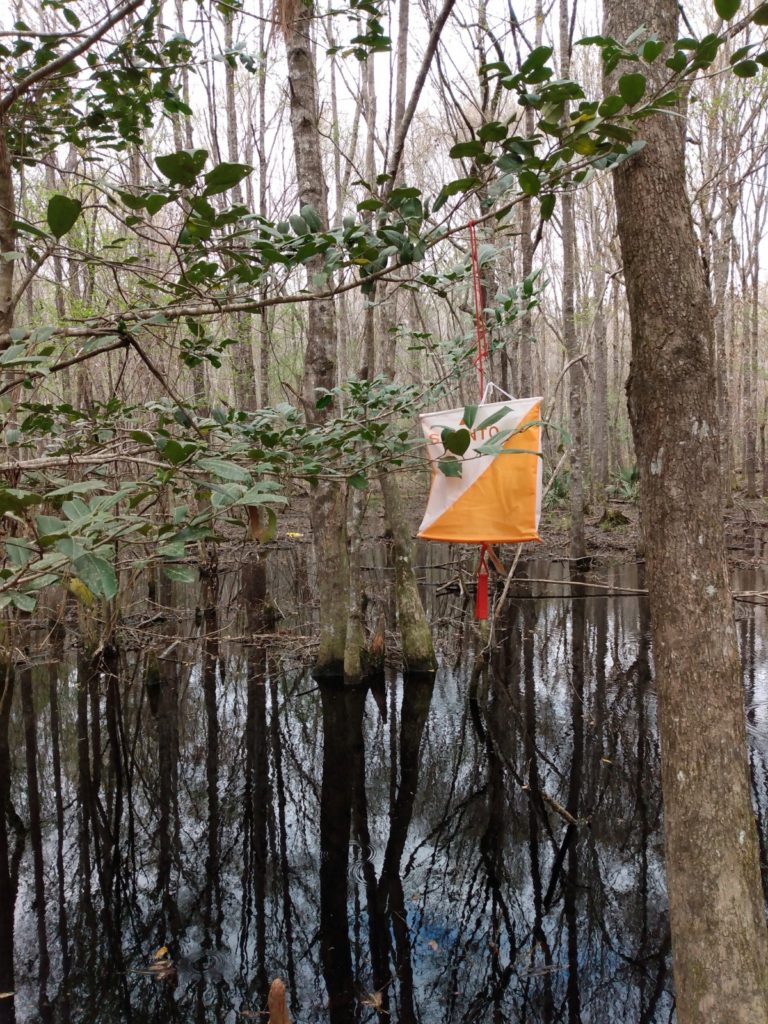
<point>416,640</point>
<point>7,888</point>
<point>576,373</point>
<point>261,150</point>
<point>525,342</point>
<point>722,257</point>
<point>7,237</point>
<point>600,406</point>
<point>328,499</point>
<point>717,913</point>
<point>751,367</point>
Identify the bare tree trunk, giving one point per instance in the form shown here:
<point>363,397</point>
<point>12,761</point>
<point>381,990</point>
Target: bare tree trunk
<point>242,356</point>
<point>7,884</point>
<point>600,406</point>
<point>751,366</point>
<point>416,639</point>
<point>576,373</point>
<point>7,238</point>
<point>722,260</point>
<point>717,914</point>
<point>525,344</point>
<point>261,149</point>
<point>328,499</point>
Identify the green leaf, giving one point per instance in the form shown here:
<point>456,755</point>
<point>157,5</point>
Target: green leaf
<point>496,447</point>
<point>155,201</point>
<point>80,487</point>
<point>24,602</point>
<point>746,69</point>
<point>225,470</point>
<point>651,50</point>
<point>610,106</point>
<point>299,225</point>
<point>262,494</point>
<point>62,214</point>
<point>470,411</point>
<point>225,176</point>
<point>456,441</point>
<point>13,499</point>
<point>632,88</point>
<point>76,509</point>
<point>19,552</point>
<point>529,183</point>
<point>30,229</point>
<point>49,527</point>
<point>585,146</point>
<point>468,149</point>
<point>536,59</point>
<point>454,188</point>
<point>494,418</point>
<point>760,17</point>
<point>492,131</point>
<point>174,452</point>
<point>311,217</point>
<point>68,546</point>
<point>677,61</point>
<point>181,573</point>
<point>182,167</point>
<point>398,196</point>
<point>97,574</point>
<point>548,206</point>
<point>726,9</point>
<point>141,435</point>
<point>359,481</point>
<point>450,466</point>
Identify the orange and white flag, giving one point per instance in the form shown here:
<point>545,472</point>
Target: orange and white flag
<point>491,491</point>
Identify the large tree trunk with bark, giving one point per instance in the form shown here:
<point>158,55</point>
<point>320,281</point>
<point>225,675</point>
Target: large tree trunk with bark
<point>328,503</point>
<point>717,914</point>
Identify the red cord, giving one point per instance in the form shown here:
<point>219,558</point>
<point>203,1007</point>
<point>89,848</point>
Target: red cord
<point>481,595</point>
<point>482,337</point>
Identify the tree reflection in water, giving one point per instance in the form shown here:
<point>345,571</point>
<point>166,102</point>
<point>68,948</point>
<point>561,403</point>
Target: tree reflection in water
<point>483,846</point>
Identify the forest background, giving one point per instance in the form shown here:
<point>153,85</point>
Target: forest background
<point>153,283</point>
<point>234,266</point>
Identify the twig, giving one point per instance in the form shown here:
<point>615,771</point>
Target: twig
<point>559,381</point>
<point>500,603</point>
<point>166,386</point>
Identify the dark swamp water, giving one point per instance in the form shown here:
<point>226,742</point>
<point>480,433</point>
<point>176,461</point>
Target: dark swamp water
<point>484,846</point>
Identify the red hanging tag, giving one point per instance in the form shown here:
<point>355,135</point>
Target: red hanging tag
<point>481,595</point>
<point>481,598</point>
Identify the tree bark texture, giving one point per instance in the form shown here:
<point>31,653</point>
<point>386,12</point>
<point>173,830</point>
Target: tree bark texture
<point>576,372</point>
<point>719,945</point>
<point>327,497</point>
<point>7,235</point>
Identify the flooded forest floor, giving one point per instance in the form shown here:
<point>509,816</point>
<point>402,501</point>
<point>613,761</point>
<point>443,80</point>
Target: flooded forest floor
<point>191,815</point>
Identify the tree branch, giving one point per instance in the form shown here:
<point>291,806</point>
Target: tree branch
<point>50,69</point>
<point>418,85</point>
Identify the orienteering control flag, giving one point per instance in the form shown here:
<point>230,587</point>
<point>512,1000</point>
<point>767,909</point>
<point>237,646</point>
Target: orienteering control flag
<point>497,498</point>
